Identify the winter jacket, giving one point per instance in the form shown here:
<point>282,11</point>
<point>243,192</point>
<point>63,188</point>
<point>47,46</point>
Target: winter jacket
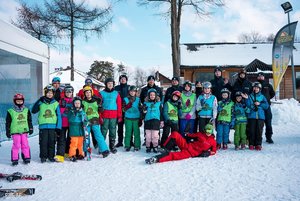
<point>267,90</point>
<point>242,85</point>
<point>144,92</point>
<point>257,112</point>
<point>225,111</point>
<point>240,112</point>
<point>12,120</point>
<point>91,108</point>
<point>49,111</point>
<point>170,90</point>
<point>188,104</point>
<point>95,93</point>
<point>201,143</point>
<point>152,114</point>
<point>58,94</point>
<point>112,104</point>
<point>132,107</point>
<point>123,90</point>
<point>65,105</point>
<point>171,111</point>
<point>207,106</point>
<point>77,121</point>
<point>217,85</point>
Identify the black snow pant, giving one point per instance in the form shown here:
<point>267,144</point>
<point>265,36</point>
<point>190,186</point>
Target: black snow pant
<point>61,142</point>
<point>68,139</point>
<point>202,123</point>
<point>255,130</point>
<point>268,123</point>
<point>47,140</point>
<point>166,131</point>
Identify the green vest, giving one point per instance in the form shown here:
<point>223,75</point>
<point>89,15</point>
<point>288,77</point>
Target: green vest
<point>225,113</point>
<point>184,99</point>
<point>19,123</point>
<point>91,109</point>
<point>172,112</point>
<point>47,114</point>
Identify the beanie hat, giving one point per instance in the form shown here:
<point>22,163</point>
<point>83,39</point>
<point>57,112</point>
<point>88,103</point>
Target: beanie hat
<point>107,80</point>
<point>218,69</point>
<point>55,79</point>
<point>175,78</point>
<point>260,74</point>
<point>121,76</point>
<point>151,77</point>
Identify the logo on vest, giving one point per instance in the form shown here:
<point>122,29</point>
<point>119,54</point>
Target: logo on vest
<point>48,114</point>
<point>173,113</point>
<point>223,113</point>
<point>21,117</point>
<point>89,111</point>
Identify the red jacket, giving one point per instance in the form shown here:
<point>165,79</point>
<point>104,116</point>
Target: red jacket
<point>202,143</point>
<point>95,92</point>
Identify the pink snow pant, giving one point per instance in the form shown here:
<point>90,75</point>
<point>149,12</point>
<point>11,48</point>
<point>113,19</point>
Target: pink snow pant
<point>152,136</point>
<point>20,141</point>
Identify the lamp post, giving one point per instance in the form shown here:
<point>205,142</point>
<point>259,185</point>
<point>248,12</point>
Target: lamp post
<point>287,7</point>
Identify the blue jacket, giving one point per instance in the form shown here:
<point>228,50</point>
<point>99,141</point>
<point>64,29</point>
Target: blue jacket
<point>77,120</point>
<point>240,113</point>
<point>153,110</point>
<point>36,109</point>
<point>133,112</point>
<point>257,112</point>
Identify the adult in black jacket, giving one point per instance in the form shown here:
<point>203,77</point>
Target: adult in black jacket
<point>122,88</point>
<point>219,83</point>
<point>175,87</point>
<point>241,84</point>
<point>150,85</point>
<point>269,93</point>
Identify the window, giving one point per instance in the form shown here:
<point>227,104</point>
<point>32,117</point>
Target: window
<point>203,76</point>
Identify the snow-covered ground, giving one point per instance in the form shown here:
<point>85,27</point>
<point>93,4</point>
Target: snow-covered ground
<point>270,174</point>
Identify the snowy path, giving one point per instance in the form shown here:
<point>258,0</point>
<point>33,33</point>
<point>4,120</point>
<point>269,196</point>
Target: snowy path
<point>272,174</point>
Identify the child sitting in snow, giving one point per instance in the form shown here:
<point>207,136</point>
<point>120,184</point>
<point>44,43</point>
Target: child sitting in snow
<point>225,107</point>
<point>204,145</point>
<point>18,125</point>
<point>153,119</point>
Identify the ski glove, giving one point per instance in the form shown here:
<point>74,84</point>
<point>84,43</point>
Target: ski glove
<point>205,154</point>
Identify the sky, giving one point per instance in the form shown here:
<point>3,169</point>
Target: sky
<point>139,38</point>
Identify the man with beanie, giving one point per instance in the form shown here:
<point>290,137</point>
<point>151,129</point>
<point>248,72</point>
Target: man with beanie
<point>268,91</point>
<point>150,85</point>
<point>122,88</point>
<point>175,87</point>
<point>241,84</point>
<point>219,83</point>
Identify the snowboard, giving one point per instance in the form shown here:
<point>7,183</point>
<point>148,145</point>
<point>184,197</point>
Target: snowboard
<point>16,192</point>
<point>19,176</point>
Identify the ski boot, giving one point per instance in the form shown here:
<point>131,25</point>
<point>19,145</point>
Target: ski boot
<point>243,146</point>
<point>73,159</point>
<point>51,160</point>
<point>218,146</point>
<point>112,146</point>
<point>237,148</point>
<point>251,147</point>
<point>59,158</point>
<point>127,149</point>
<point>26,161</point>
<point>14,163</point>
<point>270,141</point>
<point>225,146</point>
<point>105,153</point>
<point>119,144</point>
<point>80,157</point>
<point>136,149</point>
<point>148,150</point>
<point>43,160</point>
<point>151,160</point>
<point>258,148</point>
<point>155,150</point>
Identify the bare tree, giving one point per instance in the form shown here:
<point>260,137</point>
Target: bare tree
<point>140,77</point>
<point>175,12</point>
<point>253,37</point>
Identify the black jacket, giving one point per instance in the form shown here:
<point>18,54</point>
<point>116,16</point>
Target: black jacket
<point>242,85</point>
<point>267,90</point>
<point>217,85</point>
<point>144,92</point>
<point>170,90</point>
<point>123,90</point>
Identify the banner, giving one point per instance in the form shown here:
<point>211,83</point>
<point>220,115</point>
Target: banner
<point>282,51</point>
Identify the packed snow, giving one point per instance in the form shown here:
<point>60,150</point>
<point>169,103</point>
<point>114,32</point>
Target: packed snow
<point>270,174</point>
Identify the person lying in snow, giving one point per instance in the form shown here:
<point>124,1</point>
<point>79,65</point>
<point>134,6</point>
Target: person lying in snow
<point>201,145</point>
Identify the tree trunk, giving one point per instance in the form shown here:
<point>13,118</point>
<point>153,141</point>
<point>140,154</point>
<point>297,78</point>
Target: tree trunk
<point>174,38</point>
<point>72,48</point>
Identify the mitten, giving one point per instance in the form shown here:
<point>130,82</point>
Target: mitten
<point>188,116</point>
<point>205,154</point>
<point>101,121</point>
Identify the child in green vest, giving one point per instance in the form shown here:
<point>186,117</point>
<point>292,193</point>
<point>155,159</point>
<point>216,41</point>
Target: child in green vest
<point>132,110</point>
<point>171,112</point>
<point>50,123</point>
<point>225,112</point>
<point>18,125</point>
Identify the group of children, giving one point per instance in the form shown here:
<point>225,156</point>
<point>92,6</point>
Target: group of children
<point>69,121</point>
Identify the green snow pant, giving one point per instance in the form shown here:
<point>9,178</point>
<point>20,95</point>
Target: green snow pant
<point>109,125</point>
<point>240,136</point>
<point>132,128</point>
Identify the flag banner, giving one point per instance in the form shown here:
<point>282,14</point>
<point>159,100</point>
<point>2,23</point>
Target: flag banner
<point>282,51</point>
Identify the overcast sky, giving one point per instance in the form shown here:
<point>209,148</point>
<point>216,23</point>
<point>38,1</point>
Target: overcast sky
<point>139,38</point>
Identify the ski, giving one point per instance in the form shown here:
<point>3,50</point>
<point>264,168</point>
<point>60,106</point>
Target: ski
<point>19,176</point>
<point>87,148</point>
<point>16,192</point>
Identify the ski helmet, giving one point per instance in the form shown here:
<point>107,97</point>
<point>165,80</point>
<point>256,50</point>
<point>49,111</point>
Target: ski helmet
<point>107,80</point>
<point>187,83</point>
<point>55,79</point>
<point>176,93</point>
<point>225,90</point>
<point>68,88</point>
<point>238,93</point>
<point>88,80</point>
<point>209,129</point>
<point>207,85</point>
<point>152,90</point>
<point>48,88</point>
<point>256,84</point>
<point>121,76</point>
<point>132,88</point>
<point>88,88</point>
<point>77,98</point>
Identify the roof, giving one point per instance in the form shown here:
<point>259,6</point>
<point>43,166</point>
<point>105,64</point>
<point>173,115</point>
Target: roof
<point>257,66</point>
<point>79,78</point>
<point>228,54</point>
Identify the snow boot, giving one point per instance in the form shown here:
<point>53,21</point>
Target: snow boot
<point>127,149</point>
<point>225,146</point>
<point>258,148</point>
<point>151,160</point>
<point>218,146</point>
<point>112,146</point>
<point>237,148</point>
<point>14,163</point>
<point>59,158</point>
<point>155,150</point>
<point>43,160</point>
<point>80,157</point>
<point>270,141</point>
<point>73,159</point>
<point>26,161</point>
<point>251,147</point>
<point>243,146</point>
<point>51,160</point>
<point>119,144</point>
<point>136,149</point>
<point>148,149</point>
<point>105,153</point>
